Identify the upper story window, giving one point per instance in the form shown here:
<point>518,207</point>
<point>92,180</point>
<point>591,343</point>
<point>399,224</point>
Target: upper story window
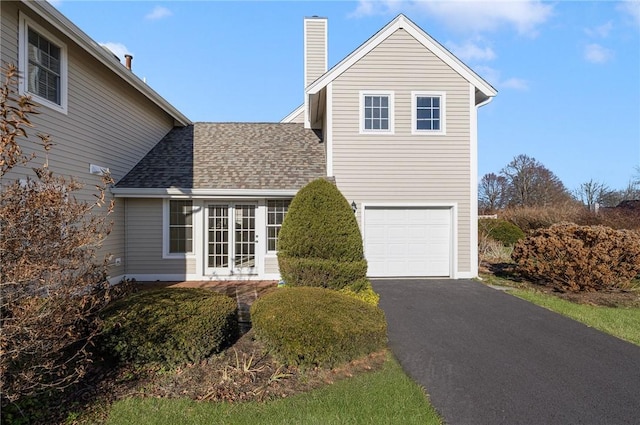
<point>376,112</point>
<point>276,210</point>
<point>43,63</point>
<point>180,227</point>
<point>428,112</point>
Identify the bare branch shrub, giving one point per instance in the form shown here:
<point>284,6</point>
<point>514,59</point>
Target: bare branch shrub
<point>51,285</point>
<point>576,258</point>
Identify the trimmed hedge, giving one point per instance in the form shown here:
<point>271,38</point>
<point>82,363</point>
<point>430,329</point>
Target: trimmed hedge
<point>500,230</point>
<point>576,258</point>
<point>330,274</point>
<point>320,242</point>
<point>171,326</point>
<point>309,327</point>
<point>320,224</point>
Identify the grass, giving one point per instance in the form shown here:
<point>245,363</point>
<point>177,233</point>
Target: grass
<point>622,322</point>
<point>386,396</point>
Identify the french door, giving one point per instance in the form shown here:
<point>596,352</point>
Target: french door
<point>230,239</point>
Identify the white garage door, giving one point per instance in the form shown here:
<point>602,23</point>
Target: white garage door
<point>408,241</point>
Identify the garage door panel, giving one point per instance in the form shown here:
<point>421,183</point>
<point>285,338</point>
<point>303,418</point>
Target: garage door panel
<point>408,241</point>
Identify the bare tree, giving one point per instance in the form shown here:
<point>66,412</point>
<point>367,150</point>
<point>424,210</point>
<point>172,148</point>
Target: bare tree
<point>592,192</point>
<point>51,284</point>
<point>531,184</point>
<point>492,193</point>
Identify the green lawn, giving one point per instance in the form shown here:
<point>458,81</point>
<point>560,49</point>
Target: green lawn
<point>618,321</point>
<point>386,396</point>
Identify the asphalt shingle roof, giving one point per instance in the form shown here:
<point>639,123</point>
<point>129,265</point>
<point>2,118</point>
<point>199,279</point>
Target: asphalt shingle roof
<point>232,156</point>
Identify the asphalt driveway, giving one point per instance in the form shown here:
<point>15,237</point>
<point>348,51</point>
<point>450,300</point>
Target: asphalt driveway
<point>486,357</point>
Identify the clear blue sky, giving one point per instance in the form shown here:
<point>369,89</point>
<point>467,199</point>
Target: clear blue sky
<point>568,73</point>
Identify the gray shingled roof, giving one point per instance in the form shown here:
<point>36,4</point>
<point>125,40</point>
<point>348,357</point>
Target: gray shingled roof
<point>231,156</point>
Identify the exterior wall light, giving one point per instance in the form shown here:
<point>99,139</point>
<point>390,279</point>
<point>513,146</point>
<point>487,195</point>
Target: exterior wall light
<point>354,207</point>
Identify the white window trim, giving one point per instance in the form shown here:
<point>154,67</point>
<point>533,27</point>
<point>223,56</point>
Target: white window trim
<point>165,231</point>
<point>266,224</point>
<point>443,112</point>
<point>390,95</point>
<point>23,55</point>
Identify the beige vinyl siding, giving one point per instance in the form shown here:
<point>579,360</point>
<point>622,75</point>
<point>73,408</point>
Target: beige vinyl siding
<point>401,167</point>
<point>144,240</point>
<point>315,49</point>
<point>107,123</point>
<point>271,265</point>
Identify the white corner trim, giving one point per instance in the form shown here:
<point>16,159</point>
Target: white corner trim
<point>443,113</point>
<point>23,54</point>
<point>473,176</point>
<point>391,95</point>
<point>328,130</point>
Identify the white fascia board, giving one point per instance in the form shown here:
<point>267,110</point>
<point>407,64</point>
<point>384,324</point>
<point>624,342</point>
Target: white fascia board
<point>422,37</point>
<point>201,193</point>
<point>293,114</point>
<point>69,29</point>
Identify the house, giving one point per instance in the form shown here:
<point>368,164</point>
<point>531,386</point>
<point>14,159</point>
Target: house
<point>394,124</point>
<point>99,114</point>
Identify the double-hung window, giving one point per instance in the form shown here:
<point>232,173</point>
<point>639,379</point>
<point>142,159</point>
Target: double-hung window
<point>376,112</point>
<point>276,210</point>
<point>180,227</point>
<point>428,112</point>
<point>43,63</point>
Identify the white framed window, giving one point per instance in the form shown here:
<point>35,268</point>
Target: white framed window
<point>178,224</point>
<point>376,112</point>
<point>428,113</point>
<point>43,66</point>
<point>276,210</point>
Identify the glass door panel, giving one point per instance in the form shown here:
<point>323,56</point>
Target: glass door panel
<point>218,238</point>
<point>245,237</point>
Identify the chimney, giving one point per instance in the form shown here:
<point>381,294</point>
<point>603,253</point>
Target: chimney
<point>127,61</point>
<point>315,48</point>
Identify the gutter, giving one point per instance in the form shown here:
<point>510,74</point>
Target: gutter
<point>201,193</point>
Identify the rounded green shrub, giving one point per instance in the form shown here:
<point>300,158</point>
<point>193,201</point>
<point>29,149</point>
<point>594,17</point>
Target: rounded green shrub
<point>171,326</point>
<point>308,326</point>
<point>320,228</point>
<point>500,230</point>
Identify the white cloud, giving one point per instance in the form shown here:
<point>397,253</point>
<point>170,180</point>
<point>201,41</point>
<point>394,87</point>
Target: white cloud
<point>494,77</point>
<point>515,83</point>
<point>470,51</point>
<point>631,8</point>
<point>117,49</point>
<point>596,53</point>
<point>158,12</point>
<point>601,31</point>
<point>474,15</point>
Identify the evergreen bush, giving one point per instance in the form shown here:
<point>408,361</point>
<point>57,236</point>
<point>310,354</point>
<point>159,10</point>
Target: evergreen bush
<point>171,326</point>
<point>320,243</point>
<point>500,230</point>
<point>317,327</point>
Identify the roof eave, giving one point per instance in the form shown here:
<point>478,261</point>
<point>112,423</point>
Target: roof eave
<point>69,29</point>
<point>173,192</point>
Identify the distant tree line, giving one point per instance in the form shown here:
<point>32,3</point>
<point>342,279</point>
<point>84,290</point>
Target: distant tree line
<point>525,182</point>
